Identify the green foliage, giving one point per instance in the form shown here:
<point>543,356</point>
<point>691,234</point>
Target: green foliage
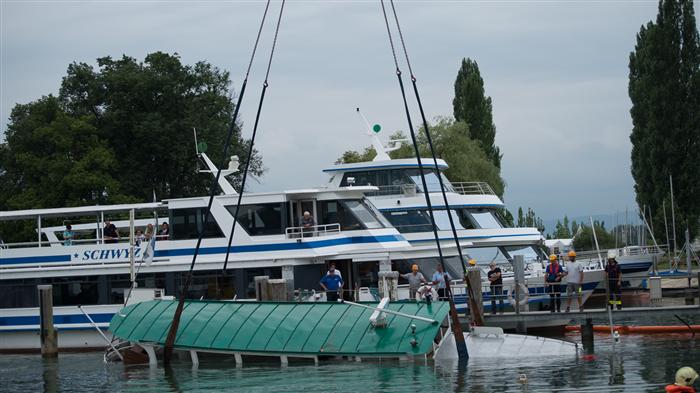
<point>117,134</point>
<point>473,107</point>
<point>664,87</point>
<point>561,230</point>
<point>529,219</point>
<point>352,156</point>
<point>585,240</point>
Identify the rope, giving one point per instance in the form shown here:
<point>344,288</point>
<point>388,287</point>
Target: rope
<point>170,340</point>
<point>430,141</point>
<point>252,142</point>
<point>413,139</point>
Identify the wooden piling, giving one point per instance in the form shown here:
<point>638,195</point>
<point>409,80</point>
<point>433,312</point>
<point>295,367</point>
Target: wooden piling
<point>476,305</point>
<point>277,290</point>
<point>47,333</point>
<point>261,292</point>
<point>587,334</point>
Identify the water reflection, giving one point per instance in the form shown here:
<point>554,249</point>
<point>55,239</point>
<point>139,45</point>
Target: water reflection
<point>636,364</point>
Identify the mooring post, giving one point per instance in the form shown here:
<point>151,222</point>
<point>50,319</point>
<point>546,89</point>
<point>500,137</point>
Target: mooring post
<point>48,335</point>
<point>587,334</point>
<point>519,279</point>
<point>261,291</point>
<point>476,308</point>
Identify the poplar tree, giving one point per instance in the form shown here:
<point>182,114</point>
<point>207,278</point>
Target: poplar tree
<point>664,87</point>
<point>473,107</point>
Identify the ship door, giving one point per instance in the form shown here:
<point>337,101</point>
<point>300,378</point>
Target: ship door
<point>297,209</point>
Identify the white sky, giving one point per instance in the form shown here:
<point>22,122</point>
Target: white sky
<point>556,71</point>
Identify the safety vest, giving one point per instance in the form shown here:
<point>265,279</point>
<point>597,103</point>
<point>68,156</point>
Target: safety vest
<point>552,273</point>
<point>680,389</point>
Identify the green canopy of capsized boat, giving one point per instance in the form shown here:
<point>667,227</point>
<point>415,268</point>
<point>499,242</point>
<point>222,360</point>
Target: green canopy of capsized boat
<point>306,329</point>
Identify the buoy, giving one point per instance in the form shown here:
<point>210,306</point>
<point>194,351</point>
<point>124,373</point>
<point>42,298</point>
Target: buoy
<point>616,336</point>
<point>522,378</point>
<point>588,358</point>
<point>640,329</point>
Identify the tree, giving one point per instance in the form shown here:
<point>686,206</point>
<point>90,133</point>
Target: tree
<point>147,112</point>
<point>664,87</point>
<point>473,107</point>
<point>352,156</point>
<point>585,241</point>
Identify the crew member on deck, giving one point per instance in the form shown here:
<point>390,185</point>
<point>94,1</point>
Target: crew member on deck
<point>332,284</point>
<point>415,278</point>
<point>552,280</point>
<point>574,277</point>
<point>614,277</point>
<point>496,284</point>
<point>110,233</point>
<point>439,278</point>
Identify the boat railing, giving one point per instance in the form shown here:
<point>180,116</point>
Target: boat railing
<point>74,242</point>
<point>473,188</point>
<point>397,189</point>
<point>312,231</point>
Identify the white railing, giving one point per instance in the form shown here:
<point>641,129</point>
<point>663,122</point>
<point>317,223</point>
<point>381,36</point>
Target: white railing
<point>399,189</point>
<point>312,231</point>
<point>473,188</point>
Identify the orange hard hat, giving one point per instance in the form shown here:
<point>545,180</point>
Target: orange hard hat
<point>472,262</point>
<point>572,253</point>
<point>552,257</point>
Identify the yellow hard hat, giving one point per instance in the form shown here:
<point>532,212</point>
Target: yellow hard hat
<point>686,376</point>
<point>552,257</point>
<point>572,253</point>
<point>414,267</point>
<point>472,262</point>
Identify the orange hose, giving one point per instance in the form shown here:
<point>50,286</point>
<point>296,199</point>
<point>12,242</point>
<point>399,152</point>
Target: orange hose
<point>639,329</point>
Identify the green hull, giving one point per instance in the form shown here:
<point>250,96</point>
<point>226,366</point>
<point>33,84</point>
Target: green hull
<point>278,328</point>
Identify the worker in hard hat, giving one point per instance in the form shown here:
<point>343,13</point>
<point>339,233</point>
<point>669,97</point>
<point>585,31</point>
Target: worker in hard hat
<point>574,281</point>
<point>415,278</point>
<point>496,284</point>
<point>685,378</point>
<point>614,277</point>
<point>552,281</point>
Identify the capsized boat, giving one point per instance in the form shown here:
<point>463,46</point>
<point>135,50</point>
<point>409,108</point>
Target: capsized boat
<point>313,330</point>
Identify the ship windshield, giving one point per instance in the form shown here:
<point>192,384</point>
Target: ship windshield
<point>363,214</point>
<point>528,252</point>
<point>484,255</point>
<point>485,219</point>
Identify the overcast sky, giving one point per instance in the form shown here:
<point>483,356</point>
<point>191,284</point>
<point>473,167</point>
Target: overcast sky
<point>556,71</point>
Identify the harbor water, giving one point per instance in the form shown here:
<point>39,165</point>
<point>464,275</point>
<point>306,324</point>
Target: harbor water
<point>635,364</point>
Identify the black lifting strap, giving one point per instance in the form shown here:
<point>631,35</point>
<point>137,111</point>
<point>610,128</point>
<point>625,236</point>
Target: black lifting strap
<point>479,320</point>
<point>252,142</point>
<point>170,340</point>
<point>456,327</point>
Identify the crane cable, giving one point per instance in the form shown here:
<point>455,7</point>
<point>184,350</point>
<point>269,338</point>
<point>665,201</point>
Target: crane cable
<point>252,142</point>
<point>426,128</point>
<point>456,327</point>
<point>170,340</point>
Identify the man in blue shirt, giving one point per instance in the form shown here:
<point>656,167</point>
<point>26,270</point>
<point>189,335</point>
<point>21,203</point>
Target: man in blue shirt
<point>332,283</point>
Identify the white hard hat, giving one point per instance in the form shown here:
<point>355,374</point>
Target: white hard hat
<point>612,254</point>
<point>686,376</point>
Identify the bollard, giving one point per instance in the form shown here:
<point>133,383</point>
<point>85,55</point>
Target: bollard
<point>48,335</point>
<point>587,334</point>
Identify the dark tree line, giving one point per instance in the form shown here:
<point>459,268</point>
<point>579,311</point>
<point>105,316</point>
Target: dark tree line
<point>664,86</point>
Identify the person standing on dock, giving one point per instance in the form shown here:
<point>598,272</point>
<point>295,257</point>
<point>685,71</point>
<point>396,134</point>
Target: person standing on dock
<point>332,284</point>
<point>574,274</point>
<point>614,276</point>
<point>552,280</point>
<point>415,278</point>
<point>438,279</point>
<point>496,284</point>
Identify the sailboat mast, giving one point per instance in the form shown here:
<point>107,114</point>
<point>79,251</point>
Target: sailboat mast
<point>673,217</point>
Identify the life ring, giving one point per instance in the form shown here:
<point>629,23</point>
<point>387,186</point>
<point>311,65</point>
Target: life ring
<point>524,299</point>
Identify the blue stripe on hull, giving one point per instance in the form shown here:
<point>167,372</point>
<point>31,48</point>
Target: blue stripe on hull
<point>57,319</point>
<point>304,245</point>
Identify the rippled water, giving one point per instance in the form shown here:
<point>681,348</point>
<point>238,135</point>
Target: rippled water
<point>636,364</point>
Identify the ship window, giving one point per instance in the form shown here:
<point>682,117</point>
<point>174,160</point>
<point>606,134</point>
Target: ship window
<point>363,214</point>
<point>485,219</point>
<point>410,221</point>
<point>186,223</point>
<point>261,219</point>
<point>334,212</point>
<point>362,178</point>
